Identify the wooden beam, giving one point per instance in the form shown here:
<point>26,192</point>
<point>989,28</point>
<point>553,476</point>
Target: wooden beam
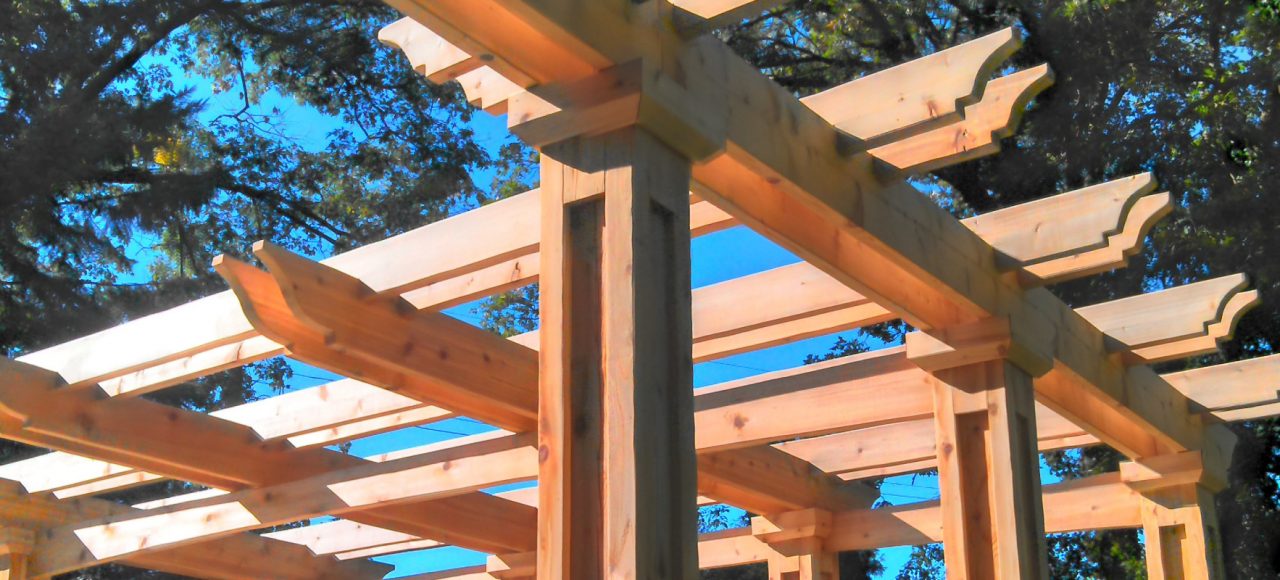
<point>1176,322</point>
<point>353,540</point>
<point>334,412</point>
<point>799,536</point>
<point>344,536</point>
<point>474,261</point>
<point>233,558</point>
<point>899,102</point>
<point>72,475</point>
<point>1246,383</point>
<point>988,466</point>
<point>1060,229</point>
<point>231,456</point>
<point>114,431</point>
<point>1243,390</point>
<point>429,55</point>
<point>724,420</point>
<point>917,96</point>
<point>193,335</point>
<point>859,391</point>
<point>325,406</point>
<point>444,472</point>
<point>764,480</point>
<point>617,476</point>
<point>1097,502</point>
<point>985,123</point>
<point>334,321</point>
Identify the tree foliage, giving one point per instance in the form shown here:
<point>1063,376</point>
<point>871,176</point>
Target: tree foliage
<point>119,182</point>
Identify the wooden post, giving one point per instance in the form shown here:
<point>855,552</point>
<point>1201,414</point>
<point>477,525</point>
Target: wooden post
<point>988,463</point>
<point>617,479</point>
<point>798,538</point>
<point>1182,533</point>
<point>15,548</point>
<point>1179,520</point>
<point>1181,529</point>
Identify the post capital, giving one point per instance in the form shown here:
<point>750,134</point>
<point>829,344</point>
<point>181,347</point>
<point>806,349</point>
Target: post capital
<point>994,338</point>
<point>16,541</point>
<point>794,533</point>
<point>517,566</point>
<point>683,105</point>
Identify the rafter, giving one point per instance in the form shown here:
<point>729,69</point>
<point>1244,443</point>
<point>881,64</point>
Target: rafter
<point>476,260</point>
<point>126,431</point>
<point>726,418</point>
<point>440,473</point>
<point>234,557</point>
<point>1092,503</point>
<point>334,321</point>
<point>1236,391</point>
<point>985,123</point>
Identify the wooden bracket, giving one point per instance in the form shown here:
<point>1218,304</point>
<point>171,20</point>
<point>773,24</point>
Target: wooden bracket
<point>686,116</point>
<point>1206,468</point>
<point>794,533</point>
<point>512,566</point>
<point>16,540</point>
<point>986,340</point>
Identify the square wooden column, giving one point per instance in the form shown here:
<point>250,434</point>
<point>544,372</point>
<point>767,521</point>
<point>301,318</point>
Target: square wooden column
<point>1179,520</point>
<point>15,548</point>
<point>798,537</point>
<point>1181,529</point>
<point>617,477</point>
<point>988,462</point>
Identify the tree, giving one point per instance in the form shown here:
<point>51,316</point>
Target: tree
<point>1184,88</point>
<point>107,164</point>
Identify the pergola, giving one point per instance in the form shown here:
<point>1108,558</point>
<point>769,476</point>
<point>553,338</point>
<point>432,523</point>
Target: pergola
<point>652,131</point>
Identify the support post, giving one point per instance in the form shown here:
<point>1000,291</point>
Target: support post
<point>1179,519</point>
<point>1181,529</point>
<point>617,476</point>
<point>988,466</point>
<point>798,538</point>
<point>15,548</point>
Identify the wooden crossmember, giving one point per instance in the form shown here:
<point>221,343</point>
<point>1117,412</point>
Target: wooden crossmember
<point>479,255</point>
<point>1099,502</point>
<point>348,539</point>
<point>898,103</point>
<point>1243,374</point>
<point>311,412</point>
<point>1239,391</point>
<point>127,432</point>
<point>1174,323</point>
<point>993,118</point>
<point>424,345</point>
<point>439,473</point>
<point>235,557</point>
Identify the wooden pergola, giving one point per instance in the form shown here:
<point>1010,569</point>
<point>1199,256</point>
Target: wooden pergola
<point>652,131</point>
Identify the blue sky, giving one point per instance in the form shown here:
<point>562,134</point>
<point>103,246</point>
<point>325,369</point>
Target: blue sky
<point>717,257</point>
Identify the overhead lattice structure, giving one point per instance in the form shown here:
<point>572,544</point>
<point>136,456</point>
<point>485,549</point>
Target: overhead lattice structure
<point>651,132</point>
